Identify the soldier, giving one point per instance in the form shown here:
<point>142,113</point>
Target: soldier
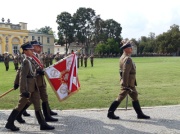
<point>46,60</point>
<point>15,61</point>
<point>41,86</point>
<point>81,60</point>
<point>28,91</point>
<point>42,59</point>
<point>57,57</point>
<point>6,60</point>
<point>78,58</point>
<point>128,83</point>
<point>85,60</point>
<point>92,59</point>
<point>51,59</point>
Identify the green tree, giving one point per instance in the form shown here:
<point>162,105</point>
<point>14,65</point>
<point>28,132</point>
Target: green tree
<point>46,30</point>
<point>83,21</point>
<point>65,29</point>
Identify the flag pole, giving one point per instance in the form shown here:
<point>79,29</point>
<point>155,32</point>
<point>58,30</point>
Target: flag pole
<point>6,92</point>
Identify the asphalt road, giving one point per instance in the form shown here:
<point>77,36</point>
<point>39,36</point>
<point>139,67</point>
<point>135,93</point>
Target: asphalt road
<point>164,120</point>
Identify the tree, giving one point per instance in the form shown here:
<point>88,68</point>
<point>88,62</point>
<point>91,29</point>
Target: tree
<point>83,22</point>
<point>65,29</point>
<point>46,30</point>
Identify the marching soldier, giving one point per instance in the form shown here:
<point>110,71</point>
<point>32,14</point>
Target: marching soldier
<point>41,86</point>
<point>128,83</point>
<point>28,91</point>
<point>6,60</point>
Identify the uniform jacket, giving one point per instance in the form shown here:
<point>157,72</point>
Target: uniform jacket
<point>26,80</point>
<point>6,59</point>
<point>127,71</point>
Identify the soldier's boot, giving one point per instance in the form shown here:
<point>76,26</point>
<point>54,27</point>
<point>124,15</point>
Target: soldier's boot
<point>111,110</point>
<point>42,122</point>
<point>25,113</point>
<point>52,113</point>
<point>19,117</point>
<point>137,108</point>
<point>10,124</point>
<point>16,68</point>
<point>46,112</point>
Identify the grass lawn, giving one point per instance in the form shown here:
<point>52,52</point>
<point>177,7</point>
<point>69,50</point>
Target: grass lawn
<point>157,78</point>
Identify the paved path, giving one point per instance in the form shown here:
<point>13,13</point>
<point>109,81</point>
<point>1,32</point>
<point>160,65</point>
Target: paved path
<point>164,120</point>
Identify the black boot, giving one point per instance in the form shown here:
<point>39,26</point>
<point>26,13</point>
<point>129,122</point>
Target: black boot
<point>25,113</point>
<point>6,68</point>
<point>52,113</point>
<point>137,108</point>
<point>111,110</point>
<point>42,122</point>
<point>46,112</point>
<point>19,117</point>
<point>10,124</point>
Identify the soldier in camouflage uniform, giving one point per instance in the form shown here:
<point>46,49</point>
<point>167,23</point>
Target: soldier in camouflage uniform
<point>128,84</point>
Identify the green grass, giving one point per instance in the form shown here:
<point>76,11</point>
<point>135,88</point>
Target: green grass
<point>157,78</point>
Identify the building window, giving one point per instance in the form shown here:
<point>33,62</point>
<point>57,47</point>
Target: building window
<point>49,51</point>
<point>47,39</point>
<point>32,37</point>
<point>15,49</point>
<point>6,39</point>
<point>39,39</point>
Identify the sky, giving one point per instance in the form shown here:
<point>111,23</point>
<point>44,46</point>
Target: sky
<point>137,17</point>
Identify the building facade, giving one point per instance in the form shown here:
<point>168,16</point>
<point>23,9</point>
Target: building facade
<point>46,39</point>
<point>12,36</point>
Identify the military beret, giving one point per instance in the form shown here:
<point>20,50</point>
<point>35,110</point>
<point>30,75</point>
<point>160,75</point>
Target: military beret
<point>36,43</point>
<point>27,46</point>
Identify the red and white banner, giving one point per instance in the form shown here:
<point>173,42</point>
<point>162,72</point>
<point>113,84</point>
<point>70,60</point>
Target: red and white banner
<point>63,77</point>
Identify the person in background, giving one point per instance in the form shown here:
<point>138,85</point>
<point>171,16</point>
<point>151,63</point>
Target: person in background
<point>6,60</point>
<point>15,61</point>
<point>92,60</point>
<point>85,60</point>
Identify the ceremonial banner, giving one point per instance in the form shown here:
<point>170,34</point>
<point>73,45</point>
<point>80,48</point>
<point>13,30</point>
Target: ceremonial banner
<point>63,77</point>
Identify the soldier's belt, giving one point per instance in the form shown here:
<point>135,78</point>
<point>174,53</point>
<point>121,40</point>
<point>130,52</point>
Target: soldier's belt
<point>30,77</point>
